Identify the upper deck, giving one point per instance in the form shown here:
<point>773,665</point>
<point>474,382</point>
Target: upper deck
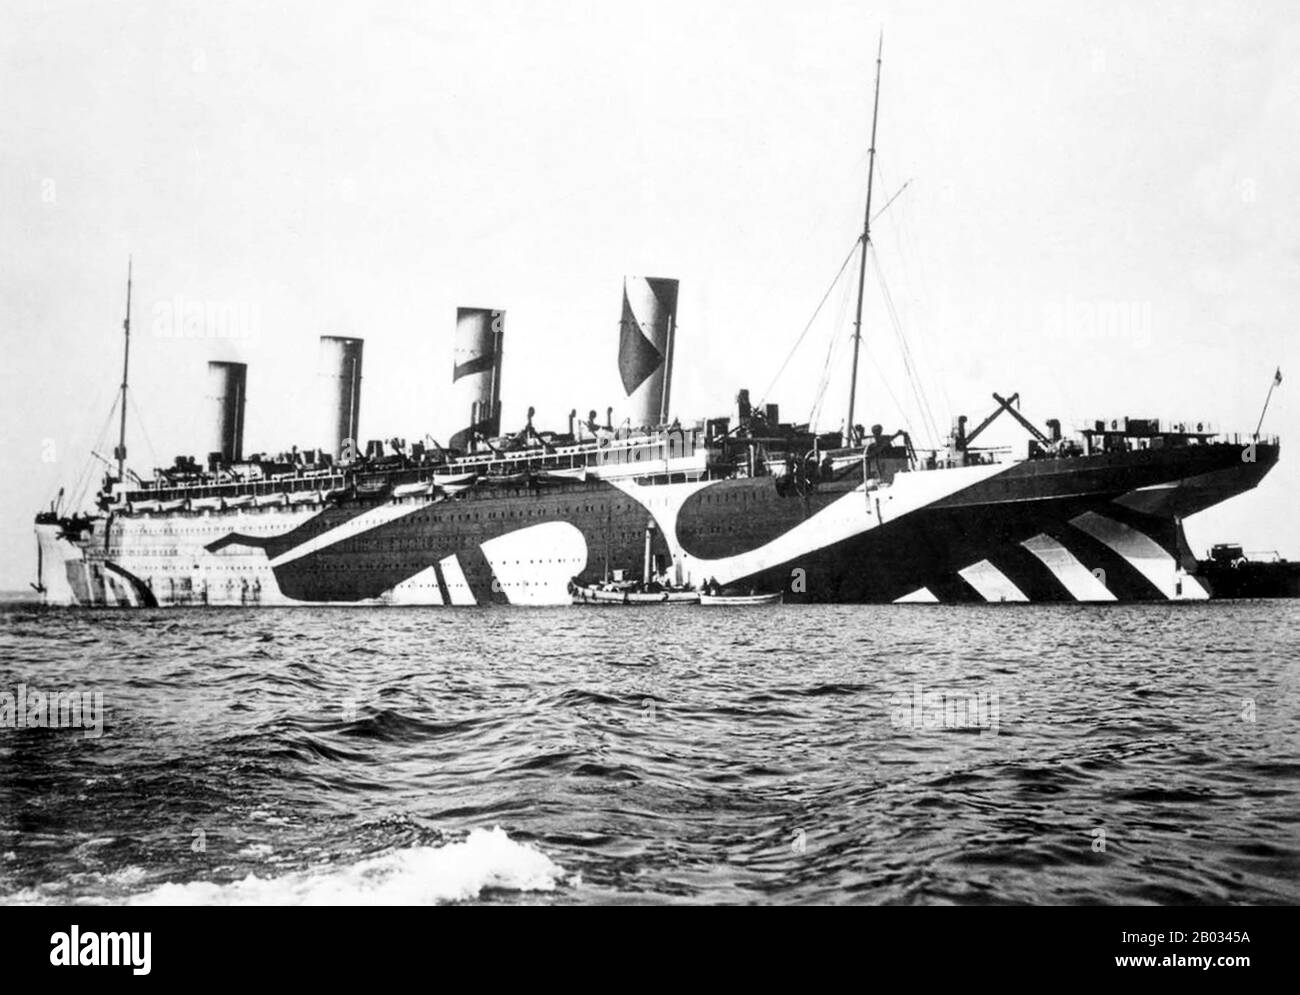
<point>708,450</point>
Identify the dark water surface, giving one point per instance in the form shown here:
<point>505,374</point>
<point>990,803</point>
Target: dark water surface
<point>1135,754</point>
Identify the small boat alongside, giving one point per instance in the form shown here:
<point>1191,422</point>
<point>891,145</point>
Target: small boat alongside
<point>632,594</point>
<point>740,600</point>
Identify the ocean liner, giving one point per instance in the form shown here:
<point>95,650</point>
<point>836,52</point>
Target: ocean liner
<point>745,502</point>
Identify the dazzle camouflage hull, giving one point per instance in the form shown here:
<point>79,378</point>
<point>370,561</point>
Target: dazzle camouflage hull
<point>1104,527</point>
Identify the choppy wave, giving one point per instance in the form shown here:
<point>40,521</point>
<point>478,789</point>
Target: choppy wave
<point>486,861</point>
<point>1114,754</point>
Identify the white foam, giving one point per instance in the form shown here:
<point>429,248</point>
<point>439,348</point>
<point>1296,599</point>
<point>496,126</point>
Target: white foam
<point>417,876</point>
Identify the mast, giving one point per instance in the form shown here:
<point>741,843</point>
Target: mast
<point>866,243</point>
<point>120,451</point>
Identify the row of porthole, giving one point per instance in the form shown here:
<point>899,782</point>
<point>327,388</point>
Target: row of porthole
<point>491,515</point>
<point>235,567</point>
<point>121,551</point>
<point>147,527</point>
<point>558,559</point>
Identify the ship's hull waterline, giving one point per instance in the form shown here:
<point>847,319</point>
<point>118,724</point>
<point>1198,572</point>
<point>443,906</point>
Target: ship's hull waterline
<point>1106,527</point>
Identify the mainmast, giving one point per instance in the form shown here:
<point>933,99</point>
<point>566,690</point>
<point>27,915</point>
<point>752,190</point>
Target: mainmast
<point>866,243</point>
<point>120,451</point>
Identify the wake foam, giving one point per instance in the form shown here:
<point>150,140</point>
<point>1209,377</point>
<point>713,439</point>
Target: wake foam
<point>487,859</point>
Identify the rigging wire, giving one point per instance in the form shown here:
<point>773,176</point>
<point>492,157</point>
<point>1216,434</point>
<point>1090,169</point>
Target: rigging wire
<point>897,193</point>
<point>81,485</point>
<point>907,249</point>
<point>828,370</point>
<point>153,455</point>
<point>789,356</point>
<point>902,412</point>
<point>884,382</point>
<point>832,350</point>
<point>909,364</point>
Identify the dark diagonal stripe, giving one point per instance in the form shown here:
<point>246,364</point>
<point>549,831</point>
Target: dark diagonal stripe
<point>1034,578</point>
<point>955,589</point>
<point>479,364</point>
<point>1123,579</point>
<point>637,356</point>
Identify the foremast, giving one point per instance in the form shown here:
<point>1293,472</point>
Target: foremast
<point>119,451</point>
<point>865,243</point>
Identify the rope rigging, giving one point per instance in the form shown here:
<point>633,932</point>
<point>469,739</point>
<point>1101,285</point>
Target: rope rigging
<point>816,311</point>
<point>139,419</point>
<point>832,351</point>
<point>81,485</point>
<point>924,408</point>
<point>909,365</point>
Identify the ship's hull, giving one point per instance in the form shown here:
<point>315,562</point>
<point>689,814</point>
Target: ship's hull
<point>1106,527</point>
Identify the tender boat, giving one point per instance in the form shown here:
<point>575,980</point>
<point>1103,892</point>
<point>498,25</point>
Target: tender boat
<point>716,600</point>
<point>597,595</point>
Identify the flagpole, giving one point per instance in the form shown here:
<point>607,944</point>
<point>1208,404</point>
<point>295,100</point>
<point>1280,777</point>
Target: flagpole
<point>1277,378</point>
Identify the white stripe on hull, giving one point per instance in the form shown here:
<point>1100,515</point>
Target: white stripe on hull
<point>1143,553</point>
<point>55,555</point>
<point>921,596</point>
<point>856,512</point>
<point>421,589</point>
<point>458,589</point>
<point>534,565</point>
<point>991,583</point>
<point>354,526</point>
<point>1065,566</point>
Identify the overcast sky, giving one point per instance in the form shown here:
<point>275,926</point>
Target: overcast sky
<point>1100,213</point>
